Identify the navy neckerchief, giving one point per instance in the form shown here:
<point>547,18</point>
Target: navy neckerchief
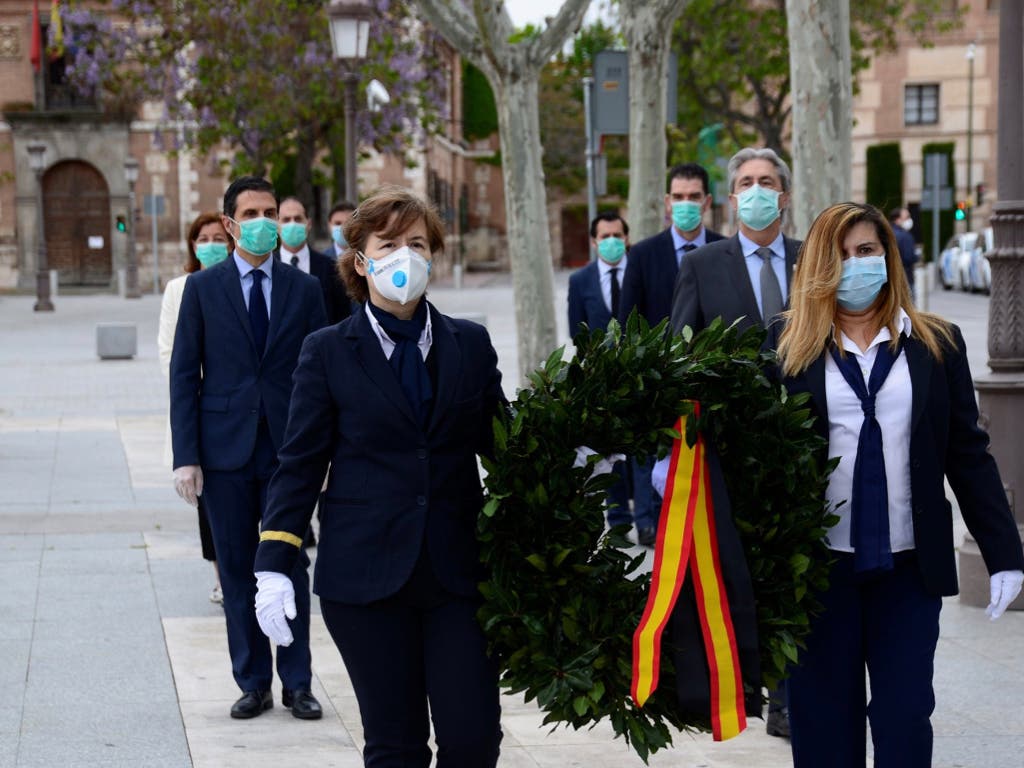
<point>869,524</point>
<point>407,360</point>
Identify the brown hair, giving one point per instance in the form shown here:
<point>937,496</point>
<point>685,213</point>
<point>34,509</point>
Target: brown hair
<point>388,212</point>
<point>191,262</point>
<point>812,320</point>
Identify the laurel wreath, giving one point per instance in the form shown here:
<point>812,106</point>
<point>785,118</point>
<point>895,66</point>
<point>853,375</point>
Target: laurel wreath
<point>563,598</point>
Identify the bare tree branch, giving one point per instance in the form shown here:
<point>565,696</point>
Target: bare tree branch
<point>452,20</point>
<point>568,20</point>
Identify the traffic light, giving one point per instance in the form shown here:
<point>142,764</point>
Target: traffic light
<point>979,194</point>
<point>961,210</point>
<point>122,224</point>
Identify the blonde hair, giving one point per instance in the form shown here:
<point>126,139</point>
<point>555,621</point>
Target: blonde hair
<point>812,321</point>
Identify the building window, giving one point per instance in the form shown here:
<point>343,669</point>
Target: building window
<point>921,104</point>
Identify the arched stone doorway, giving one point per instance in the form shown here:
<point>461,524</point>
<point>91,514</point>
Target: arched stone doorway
<point>76,207</point>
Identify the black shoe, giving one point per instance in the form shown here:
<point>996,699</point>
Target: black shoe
<point>251,704</point>
<point>646,537</point>
<point>302,703</point>
<point>778,723</point>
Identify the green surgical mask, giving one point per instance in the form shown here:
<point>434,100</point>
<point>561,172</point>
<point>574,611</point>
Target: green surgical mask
<point>257,236</point>
<point>686,215</point>
<point>293,234</point>
<point>211,253</point>
<point>611,249</point>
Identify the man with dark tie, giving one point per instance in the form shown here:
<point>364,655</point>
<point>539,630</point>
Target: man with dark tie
<point>295,250</point>
<point>647,286</point>
<point>746,278</point>
<point>240,328</point>
<point>594,296</point>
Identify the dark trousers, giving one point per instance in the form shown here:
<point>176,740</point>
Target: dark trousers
<point>235,502</point>
<point>619,494</point>
<point>889,625</point>
<point>646,501</point>
<point>422,644</point>
<point>205,535</point>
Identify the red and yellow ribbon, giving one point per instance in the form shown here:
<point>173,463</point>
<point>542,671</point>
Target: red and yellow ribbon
<point>687,539</point>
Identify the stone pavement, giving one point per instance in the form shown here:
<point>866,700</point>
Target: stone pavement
<point>113,656</point>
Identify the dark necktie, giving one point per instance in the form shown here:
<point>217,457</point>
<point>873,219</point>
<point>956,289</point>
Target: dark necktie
<point>614,272</point>
<point>259,317</point>
<point>295,260</point>
<point>869,507</point>
<point>771,294</point>
<point>687,247</point>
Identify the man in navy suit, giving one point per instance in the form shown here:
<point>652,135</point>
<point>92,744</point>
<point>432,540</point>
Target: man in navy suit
<point>295,250</point>
<point>240,328</point>
<point>594,295</point>
<point>647,286</point>
<point>338,217</point>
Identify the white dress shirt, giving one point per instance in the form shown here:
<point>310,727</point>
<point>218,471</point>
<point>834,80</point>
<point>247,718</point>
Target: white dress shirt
<point>302,254</point>
<point>386,344</point>
<point>845,417</point>
<point>604,270</point>
<point>244,268</point>
<point>754,264</point>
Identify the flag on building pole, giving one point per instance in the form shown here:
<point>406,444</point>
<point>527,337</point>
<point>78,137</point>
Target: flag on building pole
<point>35,55</point>
<point>56,46</point>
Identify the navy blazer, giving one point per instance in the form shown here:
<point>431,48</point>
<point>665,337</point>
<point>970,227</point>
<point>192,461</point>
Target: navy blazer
<point>392,483</point>
<point>218,378</point>
<point>324,267</point>
<point>650,275</point>
<point>713,281</point>
<point>945,441</point>
<point>586,302</point>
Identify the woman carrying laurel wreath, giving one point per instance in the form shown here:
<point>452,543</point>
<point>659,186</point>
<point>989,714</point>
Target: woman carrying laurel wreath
<point>398,399</point>
<point>893,394</point>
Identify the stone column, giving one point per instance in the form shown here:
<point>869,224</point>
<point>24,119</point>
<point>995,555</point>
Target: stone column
<point>1001,392</point>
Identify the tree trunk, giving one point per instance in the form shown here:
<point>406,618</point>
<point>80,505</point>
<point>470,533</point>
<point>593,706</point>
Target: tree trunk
<point>647,27</point>
<point>529,243</point>
<point>822,94</point>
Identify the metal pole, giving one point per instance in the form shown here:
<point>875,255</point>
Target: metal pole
<point>936,246</point>
<point>132,272</point>
<point>970,136</point>
<point>351,179</point>
<point>156,252</point>
<point>43,303</point>
<point>588,86</point>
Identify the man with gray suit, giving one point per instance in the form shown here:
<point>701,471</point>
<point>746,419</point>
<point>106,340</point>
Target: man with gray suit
<point>744,278</point>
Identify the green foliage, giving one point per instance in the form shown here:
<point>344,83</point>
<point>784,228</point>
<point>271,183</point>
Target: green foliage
<point>480,115</point>
<point>563,599</point>
<point>946,217</point>
<point>885,176</point>
<point>734,59</point>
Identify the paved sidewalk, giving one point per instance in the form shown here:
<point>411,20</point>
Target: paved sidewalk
<point>113,655</point>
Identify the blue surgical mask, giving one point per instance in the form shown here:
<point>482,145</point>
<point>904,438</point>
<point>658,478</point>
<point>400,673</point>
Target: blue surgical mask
<point>338,236</point>
<point>686,215</point>
<point>293,234</point>
<point>758,207</point>
<point>211,253</point>
<point>863,277</point>
<point>611,249</point>
<point>257,236</point>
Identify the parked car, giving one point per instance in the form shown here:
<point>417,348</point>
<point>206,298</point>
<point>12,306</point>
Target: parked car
<point>963,265</point>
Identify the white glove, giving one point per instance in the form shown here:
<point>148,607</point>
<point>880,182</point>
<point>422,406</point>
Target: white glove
<point>602,466</point>
<point>275,604</point>
<point>188,482</point>
<point>659,475</point>
<point>1005,586</point>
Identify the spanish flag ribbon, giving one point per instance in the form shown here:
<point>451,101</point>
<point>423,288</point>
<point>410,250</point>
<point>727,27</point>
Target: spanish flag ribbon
<point>687,540</point>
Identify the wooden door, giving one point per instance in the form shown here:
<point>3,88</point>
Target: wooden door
<point>76,209</point>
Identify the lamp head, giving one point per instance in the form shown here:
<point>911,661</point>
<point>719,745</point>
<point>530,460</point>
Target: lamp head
<point>37,156</point>
<point>350,28</point>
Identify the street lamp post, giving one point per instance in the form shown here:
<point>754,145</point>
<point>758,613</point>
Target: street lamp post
<point>970,135</point>
<point>350,33</point>
<point>131,175</point>
<point>37,161</point>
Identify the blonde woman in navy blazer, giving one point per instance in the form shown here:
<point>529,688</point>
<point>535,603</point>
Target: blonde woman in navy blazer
<point>885,617</point>
<point>397,566</point>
